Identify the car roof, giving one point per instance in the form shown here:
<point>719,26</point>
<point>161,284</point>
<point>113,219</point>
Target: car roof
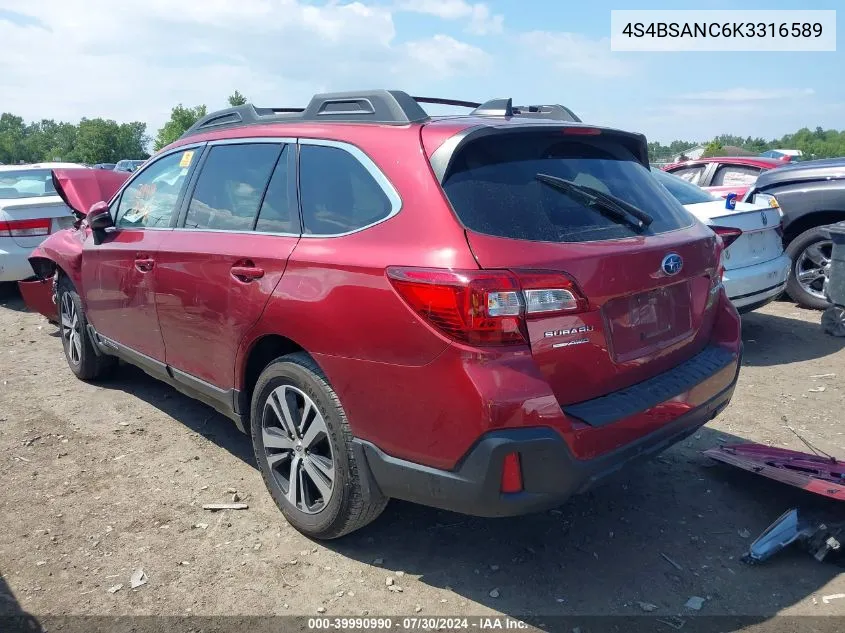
<point>826,168</point>
<point>752,161</point>
<point>40,166</point>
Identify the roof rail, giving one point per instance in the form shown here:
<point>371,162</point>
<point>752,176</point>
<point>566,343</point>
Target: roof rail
<point>495,107</point>
<point>453,102</point>
<point>386,107</point>
<point>505,107</point>
<point>368,106</point>
<point>554,111</point>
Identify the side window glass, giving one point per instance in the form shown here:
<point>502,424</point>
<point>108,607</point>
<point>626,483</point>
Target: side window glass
<point>338,193</point>
<point>690,174</point>
<point>150,199</point>
<point>230,186</point>
<point>735,176</point>
<point>279,213</point>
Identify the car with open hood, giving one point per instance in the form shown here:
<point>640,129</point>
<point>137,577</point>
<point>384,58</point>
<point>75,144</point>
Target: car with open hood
<point>30,210</point>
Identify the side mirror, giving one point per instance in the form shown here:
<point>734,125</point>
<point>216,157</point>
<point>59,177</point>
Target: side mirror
<point>99,219</point>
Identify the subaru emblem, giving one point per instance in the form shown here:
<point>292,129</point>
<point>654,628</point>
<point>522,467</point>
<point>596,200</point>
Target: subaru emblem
<point>765,219</point>
<point>672,264</point>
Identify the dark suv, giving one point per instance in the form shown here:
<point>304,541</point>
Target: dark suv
<point>484,313</point>
<point>811,195</point>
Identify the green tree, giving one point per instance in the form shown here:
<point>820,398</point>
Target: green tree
<point>181,118</point>
<point>12,135</point>
<point>132,140</point>
<point>106,141</point>
<point>713,148</point>
<point>62,141</point>
<point>237,99</point>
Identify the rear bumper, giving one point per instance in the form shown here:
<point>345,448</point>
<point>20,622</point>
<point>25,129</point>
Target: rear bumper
<point>14,262</point>
<point>751,287</point>
<point>551,473</point>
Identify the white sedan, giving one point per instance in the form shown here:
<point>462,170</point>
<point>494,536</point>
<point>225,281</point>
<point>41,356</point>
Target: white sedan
<point>30,210</point>
<point>756,268</point>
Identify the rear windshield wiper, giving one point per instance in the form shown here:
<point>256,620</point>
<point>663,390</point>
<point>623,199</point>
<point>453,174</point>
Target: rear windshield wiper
<point>619,209</point>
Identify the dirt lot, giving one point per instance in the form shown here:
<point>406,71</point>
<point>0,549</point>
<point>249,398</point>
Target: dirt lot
<point>100,480</point>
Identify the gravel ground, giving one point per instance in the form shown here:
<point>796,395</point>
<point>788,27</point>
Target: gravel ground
<point>102,480</point>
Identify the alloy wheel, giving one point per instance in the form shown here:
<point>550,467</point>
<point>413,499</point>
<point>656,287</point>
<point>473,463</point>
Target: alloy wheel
<point>297,448</point>
<point>71,329</point>
<point>810,267</point>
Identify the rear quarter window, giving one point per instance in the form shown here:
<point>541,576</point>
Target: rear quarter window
<point>493,188</point>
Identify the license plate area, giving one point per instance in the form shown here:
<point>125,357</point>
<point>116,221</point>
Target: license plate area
<point>646,322</point>
<point>756,243</point>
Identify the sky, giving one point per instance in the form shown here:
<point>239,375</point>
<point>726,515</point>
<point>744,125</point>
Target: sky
<point>136,59</point>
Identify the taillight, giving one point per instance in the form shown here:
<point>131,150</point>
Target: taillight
<point>728,234</point>
<point>485,307</point>
<point>25,228</point>
<point>717,280</point>
<point>546,293</point>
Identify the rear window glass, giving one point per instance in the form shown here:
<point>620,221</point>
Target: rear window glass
<point>30,183</point>
<point>683,191</point>
<point>493,188</point>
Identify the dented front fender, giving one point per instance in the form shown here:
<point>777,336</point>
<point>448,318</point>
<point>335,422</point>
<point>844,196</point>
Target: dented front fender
<point>61,250</point>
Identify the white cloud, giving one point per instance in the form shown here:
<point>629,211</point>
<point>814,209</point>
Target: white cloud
<point>446,56</point>
<point>481,20</point>
<point>135,61</point>
<point>748,94</point>
<point>573,53</point>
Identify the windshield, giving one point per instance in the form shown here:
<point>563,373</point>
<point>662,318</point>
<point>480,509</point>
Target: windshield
<point>493,187</point>
<point>683,191</point>
<point>29,183</point>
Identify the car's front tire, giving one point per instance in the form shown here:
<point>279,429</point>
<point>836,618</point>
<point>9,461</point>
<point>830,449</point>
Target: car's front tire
<point>303,446</point>
<point>81,357</point>
<point>810,252</point>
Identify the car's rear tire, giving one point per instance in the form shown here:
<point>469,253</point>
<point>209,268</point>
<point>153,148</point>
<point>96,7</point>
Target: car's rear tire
<point>81,357</point>
<point>810,253</point>
<point>300,434</point>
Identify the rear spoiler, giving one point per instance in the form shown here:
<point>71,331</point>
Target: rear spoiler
<point>441,159</point>
<point>80,187</point>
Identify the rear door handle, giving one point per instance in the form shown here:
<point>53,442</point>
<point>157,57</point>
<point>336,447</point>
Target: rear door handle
<point>144,264</point>
<point>247,273</point>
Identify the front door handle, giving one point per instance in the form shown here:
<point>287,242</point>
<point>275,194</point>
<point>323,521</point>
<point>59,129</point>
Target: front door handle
<point>246,272</point>
<point>144,264</point>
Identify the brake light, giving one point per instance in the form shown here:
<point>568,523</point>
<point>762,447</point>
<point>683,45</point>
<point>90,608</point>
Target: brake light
<point>25,228</point>
<point>728,234</point>
<point>582,131</point>
<point>485,307</point>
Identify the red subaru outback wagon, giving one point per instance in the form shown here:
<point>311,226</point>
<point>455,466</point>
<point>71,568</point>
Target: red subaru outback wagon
<point>483,313</point>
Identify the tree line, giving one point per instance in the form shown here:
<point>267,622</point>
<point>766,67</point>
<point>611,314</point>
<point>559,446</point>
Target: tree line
<point>91,141</point>
<point>98,140</point>
<point>818,143</point>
